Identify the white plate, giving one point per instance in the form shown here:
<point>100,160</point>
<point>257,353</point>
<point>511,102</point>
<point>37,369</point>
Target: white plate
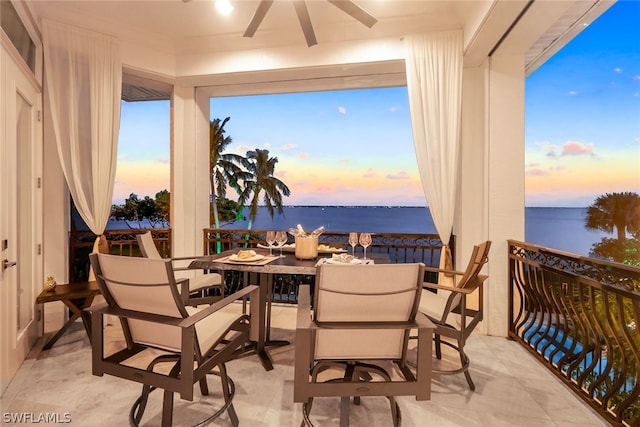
<point>256,257</point>
<point>352,262</point>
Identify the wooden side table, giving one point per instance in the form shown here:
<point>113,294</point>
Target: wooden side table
<point>76,296</point>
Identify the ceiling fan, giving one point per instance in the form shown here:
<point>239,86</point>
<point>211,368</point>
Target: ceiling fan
<point>300,6</point>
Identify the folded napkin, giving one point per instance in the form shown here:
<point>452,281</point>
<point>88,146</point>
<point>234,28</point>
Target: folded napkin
<point>337,261</point>
<point>263,261</point>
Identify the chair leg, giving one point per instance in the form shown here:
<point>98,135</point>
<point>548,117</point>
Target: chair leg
<point>438,345</point>
<point>464,360</point>
<point>395,411</point>
<point>141,404</point>
<point>167,409</point>
<point>204,388</point>
<point>345,406</point>
<point>226,392</point>
<point>306,410</point>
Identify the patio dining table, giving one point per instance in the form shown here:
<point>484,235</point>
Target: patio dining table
<point>264,273</point>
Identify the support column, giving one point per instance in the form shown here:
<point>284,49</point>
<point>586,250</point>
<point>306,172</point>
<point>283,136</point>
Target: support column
<point>505,178</point>
<point>491,193</point>
<point>189,171</point>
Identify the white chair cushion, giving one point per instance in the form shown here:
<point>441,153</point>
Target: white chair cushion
<point>211,328</point>
<point>204,281</point>
<point>433,305</point>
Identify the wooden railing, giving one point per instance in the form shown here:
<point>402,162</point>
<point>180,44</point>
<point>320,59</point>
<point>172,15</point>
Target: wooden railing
<point>121,242</point>
<point>580,317</point>
<point>401,248</point>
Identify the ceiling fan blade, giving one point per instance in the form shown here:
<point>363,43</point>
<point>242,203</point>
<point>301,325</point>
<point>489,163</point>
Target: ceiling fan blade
<point>356,12</point>
<point>305,22</point>
<point>261,11</point>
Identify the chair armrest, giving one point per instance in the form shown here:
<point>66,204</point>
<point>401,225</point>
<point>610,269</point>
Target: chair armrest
<point>446,288</point>
<point>137,315</point>
<point>422,321</point>
<point>441,270</point>
<point>303,320</point>
<point>195,318</point>
<point>182,258</point>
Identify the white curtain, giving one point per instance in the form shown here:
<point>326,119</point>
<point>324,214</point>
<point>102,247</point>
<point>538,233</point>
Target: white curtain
<point>84,82</point>
<point>434,83</point>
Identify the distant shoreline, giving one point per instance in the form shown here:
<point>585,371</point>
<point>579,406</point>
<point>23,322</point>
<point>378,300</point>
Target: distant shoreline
<point>418,207</point>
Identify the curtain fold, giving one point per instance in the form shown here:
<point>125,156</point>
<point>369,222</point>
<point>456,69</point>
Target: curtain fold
<point>84,83</point>
<point>434,84</point>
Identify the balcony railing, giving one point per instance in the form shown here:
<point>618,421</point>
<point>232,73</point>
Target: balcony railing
<point>400,248</point>
<point>580,317</point>
<point>121,242</point>
<point>423,248</point>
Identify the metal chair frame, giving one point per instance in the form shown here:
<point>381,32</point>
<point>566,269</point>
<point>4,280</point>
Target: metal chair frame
<point>190,364</point>
<point>356,381</point>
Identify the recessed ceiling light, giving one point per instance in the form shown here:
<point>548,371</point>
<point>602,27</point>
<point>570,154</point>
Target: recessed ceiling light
<point>224,7</point>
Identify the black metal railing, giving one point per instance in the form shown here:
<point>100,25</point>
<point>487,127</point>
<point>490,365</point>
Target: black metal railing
<point>580,317</point>
<point>423,248</point>
<point>400,247</point>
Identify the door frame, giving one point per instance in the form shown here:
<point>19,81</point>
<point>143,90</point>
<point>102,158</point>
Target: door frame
<point>16,78</point>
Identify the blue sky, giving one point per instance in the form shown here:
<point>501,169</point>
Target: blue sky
<point>583,114</point>
<point>355,147</point>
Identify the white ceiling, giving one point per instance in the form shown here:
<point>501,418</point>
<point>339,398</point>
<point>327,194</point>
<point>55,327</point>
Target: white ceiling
<point>186,30</point>
<point>176,26</point>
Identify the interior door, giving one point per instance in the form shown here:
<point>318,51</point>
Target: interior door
<point>20,215</point>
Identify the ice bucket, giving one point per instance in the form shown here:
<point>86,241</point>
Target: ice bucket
<point>307,247</point>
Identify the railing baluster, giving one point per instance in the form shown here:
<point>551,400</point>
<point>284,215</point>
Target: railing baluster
<point>580,317</point>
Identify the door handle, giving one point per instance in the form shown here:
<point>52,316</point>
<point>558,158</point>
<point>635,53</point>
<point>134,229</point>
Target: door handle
<point>6,264</point>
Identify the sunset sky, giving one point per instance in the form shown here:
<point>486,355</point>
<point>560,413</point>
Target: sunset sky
<point>355,147</point>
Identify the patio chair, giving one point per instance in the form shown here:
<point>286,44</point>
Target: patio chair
<point>159,330</point>
<point>447,307</point>
<point>194,291</point>
<point>362,318</point>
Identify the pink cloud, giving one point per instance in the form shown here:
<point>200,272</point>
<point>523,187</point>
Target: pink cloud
<point>398,176</point>
<point>323,189</point>
<point>536,172</point>
<point>574,148</point>
<point>370,173</point>
<point>303,155</point>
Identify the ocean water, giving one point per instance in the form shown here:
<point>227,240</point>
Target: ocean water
<point>557,228</point>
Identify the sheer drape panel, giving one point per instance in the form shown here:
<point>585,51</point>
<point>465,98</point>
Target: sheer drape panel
<point>84,75</point>
<point>434,83</point>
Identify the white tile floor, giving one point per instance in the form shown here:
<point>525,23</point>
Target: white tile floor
<point>512,389</point>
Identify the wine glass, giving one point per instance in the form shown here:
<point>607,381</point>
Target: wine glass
<point>271,239</point>
<point>353,241</point>
<point>365,241</point>
<point>281,239</point>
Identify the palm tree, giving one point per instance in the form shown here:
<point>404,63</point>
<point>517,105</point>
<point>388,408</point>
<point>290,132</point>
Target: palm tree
<point>224,168</point>
<point>614,212</point>
<point>260,178</point>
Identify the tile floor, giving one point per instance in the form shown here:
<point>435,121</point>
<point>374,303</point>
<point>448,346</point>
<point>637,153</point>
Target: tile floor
<point>512,389</point>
